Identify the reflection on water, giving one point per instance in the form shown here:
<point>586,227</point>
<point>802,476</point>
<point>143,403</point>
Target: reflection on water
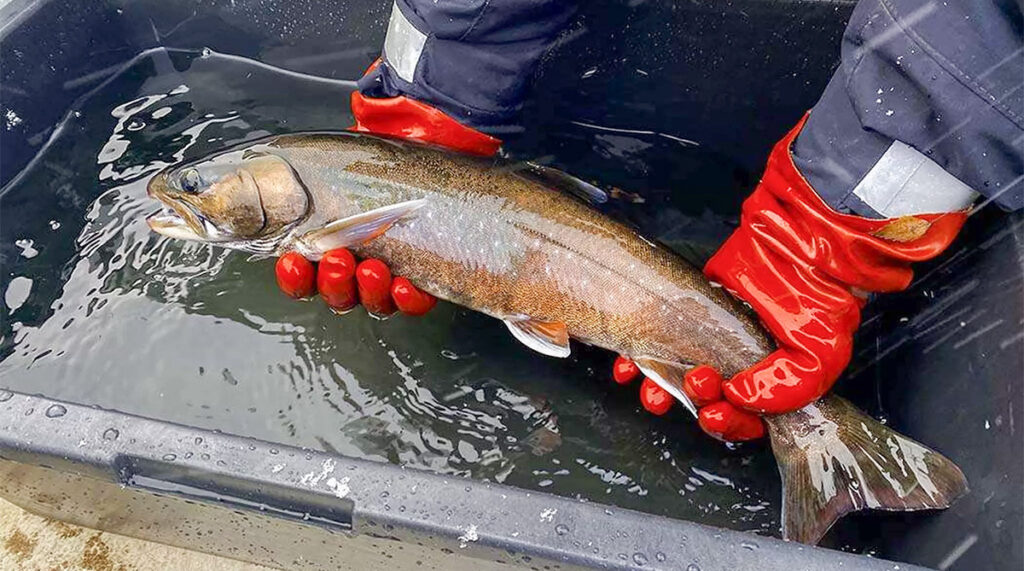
<point>99,310</point>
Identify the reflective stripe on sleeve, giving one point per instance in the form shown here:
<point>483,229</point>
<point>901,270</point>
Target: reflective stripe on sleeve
<point>403,45</point>
<point>904,181</point>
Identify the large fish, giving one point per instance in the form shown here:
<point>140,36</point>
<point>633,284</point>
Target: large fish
<point>552,268</point>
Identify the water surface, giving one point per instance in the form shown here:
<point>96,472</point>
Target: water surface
<point>99,310</point>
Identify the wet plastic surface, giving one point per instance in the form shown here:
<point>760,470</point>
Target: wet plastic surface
<point>953,341</point>
<point>300,509</point>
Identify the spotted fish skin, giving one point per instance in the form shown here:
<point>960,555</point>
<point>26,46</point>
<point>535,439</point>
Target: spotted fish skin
<point>506,245</point>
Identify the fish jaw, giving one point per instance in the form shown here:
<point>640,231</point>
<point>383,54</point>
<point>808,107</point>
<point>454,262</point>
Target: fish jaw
<point>178,219</point>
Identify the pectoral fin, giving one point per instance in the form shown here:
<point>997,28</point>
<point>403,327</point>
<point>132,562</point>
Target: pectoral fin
<point>547,337</point>
<point>669,376</point>
<point>356,229</point>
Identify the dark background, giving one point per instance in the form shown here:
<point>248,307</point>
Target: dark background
<point>942,361</point>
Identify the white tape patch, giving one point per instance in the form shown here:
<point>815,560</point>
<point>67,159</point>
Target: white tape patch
<point>904,181</point>
<point>403,45</point>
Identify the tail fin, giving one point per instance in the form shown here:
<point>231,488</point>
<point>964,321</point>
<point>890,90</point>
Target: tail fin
<point>834,459</point>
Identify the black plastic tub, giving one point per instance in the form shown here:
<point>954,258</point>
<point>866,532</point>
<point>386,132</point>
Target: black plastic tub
<point>679,102</point>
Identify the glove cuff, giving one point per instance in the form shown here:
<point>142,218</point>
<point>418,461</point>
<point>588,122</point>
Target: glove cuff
<point>784,221</point>
<point>407,118</point>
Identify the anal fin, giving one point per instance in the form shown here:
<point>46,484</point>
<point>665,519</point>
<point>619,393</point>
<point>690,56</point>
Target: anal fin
<point>356,229</point>
<point>546,337</point>
<point>668,376</point>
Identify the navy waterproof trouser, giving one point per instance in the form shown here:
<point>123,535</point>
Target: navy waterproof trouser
<point>924,114</point>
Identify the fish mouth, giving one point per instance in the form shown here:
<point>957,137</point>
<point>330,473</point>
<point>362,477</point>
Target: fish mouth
<point>177,218</point>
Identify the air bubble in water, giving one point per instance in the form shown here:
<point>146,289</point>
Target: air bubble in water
<point>111,434</point>
<point>660,556</point>
<point>692,567</point>
<point>207,52</point>
<point>169,457</point>
<point>640,559</point>
<point>136,125</point>
<point>56,411</point>
<point>6,396</point>
<point>561,529</point>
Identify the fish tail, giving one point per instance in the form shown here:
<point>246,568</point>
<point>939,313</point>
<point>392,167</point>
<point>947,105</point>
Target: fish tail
<point>834,460</point>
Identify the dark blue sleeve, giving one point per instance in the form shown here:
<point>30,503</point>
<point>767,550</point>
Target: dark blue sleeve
<point>473,59</point>
<point>942,77</point>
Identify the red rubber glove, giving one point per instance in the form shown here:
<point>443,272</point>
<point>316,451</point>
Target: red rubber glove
<point>805,268</point>
<point>704,387</point>
<point>407,118</point>
<point>653,398</point>
<point>343,283</point>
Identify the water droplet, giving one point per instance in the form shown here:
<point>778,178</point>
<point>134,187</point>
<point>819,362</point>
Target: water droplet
<point>623,556</point>
<point>207,52</point>
<point>640,559</point>
<point>136,125</point>
<point>384,494</point>
<point>29,412</point>
<point>561,529</point>
<point>56,411</point>
<point>692,567</point>
<point>273,450</point>
<point>748,545</point>
<point>199,439</point>
<point>169,457</point>
<point>660,556</point>
<point>111,434</point>
<point>54,225</point>
<point>6,396</point>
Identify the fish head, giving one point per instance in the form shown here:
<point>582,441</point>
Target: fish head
<point>233,198</point>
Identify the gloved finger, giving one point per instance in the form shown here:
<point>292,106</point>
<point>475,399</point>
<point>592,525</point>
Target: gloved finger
<point>624,371</point>
<point>654,398</point>
<point>787,380</point>
<point>409,299</point>
<point>296,276</point>
<point>336,280</point>
<point>703,385</point>
<point>725,422</point>
<point>373,281</point>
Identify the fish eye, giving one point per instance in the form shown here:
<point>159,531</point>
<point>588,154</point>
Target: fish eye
<point>190,181</point>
